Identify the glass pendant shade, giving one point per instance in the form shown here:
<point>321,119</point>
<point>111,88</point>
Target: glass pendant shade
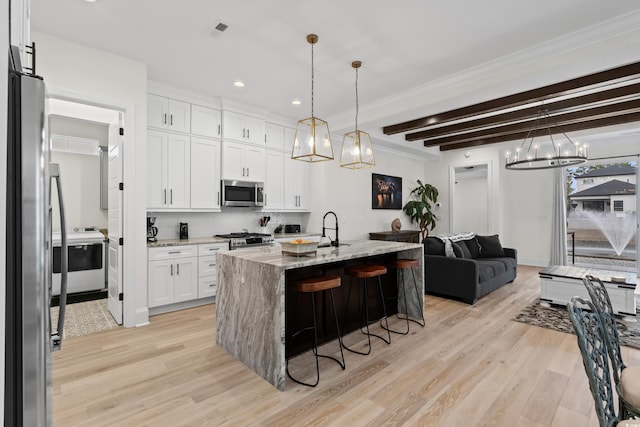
<point>356,151</point>
<point>312,141</point>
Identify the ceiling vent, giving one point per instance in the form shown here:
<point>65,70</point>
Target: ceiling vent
<point>221,26</point>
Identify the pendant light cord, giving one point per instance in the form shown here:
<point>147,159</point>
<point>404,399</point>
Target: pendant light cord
<point>356,100</point>
<point>312,80</point>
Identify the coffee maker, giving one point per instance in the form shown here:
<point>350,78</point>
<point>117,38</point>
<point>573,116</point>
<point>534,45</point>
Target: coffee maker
<point>152,231</point>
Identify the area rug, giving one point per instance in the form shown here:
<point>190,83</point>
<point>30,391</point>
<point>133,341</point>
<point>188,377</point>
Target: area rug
<point>85,318</point>
<point>557,318</point>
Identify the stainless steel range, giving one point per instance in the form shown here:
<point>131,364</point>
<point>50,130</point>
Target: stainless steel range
<point>247,240</point>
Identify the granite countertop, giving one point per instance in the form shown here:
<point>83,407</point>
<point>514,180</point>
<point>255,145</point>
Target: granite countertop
<point>184,242</point>
<point>272,255</point>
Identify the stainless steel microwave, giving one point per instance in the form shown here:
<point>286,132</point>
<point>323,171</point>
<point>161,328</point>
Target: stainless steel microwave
<point>242,193</point>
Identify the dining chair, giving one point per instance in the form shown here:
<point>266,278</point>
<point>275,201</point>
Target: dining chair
<point>627,379</point>
<point>593,348</point>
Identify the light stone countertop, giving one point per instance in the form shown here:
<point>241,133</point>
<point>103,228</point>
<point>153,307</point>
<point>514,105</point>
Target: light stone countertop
<point>353,249</point>
<point>184,242</point>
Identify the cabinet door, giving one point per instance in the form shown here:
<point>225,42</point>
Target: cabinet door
<point>274,180</point>
<point>254,130</point>
<point>302,180</point>
<point>296,177</point>
<point>289,136</point>
<point>233,160</point>
<point>178,176</point>
<point>186,279</point>
<point>160,282</point>
<point>157,111</point>
<point>254,162</point>
<point>274,137</point>
<point>156,169</point>
<point>205,173</point>
<point>233,126</point>
<point>179,116</point>
<point>205,121</point>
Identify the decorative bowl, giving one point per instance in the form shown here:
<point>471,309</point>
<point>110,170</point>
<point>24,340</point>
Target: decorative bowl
<point>299,247</point>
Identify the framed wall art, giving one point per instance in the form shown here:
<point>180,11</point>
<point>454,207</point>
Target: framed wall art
<point>386,192</point>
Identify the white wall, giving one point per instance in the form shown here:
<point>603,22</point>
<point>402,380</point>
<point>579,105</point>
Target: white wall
<point>79,72</point>
<point>471,205</point>
<point>4,47</point>
<point>348,193</point>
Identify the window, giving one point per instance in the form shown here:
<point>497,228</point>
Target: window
<point>587,181</point>
<point>618,205</point>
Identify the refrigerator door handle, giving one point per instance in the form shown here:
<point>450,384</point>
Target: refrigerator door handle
<point>56,336</point>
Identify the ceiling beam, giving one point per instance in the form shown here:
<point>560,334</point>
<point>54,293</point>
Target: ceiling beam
<point>582,101</point>
<point>558,121</point>
<point>568,87</point>
<point>591,124</point>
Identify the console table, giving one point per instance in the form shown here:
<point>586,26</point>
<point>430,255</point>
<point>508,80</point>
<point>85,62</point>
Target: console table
<point>558,284</point>
<point>409,236</point>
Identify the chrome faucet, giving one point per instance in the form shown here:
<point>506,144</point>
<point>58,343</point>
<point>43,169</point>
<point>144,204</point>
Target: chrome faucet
<point>333,242</point>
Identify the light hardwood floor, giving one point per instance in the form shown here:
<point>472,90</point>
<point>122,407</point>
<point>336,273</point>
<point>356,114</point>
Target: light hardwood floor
<point>470,366</point>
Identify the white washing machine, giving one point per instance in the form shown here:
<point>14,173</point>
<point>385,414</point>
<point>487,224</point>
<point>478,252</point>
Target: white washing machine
<point>86,259</point>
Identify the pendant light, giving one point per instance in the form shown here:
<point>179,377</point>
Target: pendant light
<point>548,154</point>
<point>312,141</point>
<point>356,145</point>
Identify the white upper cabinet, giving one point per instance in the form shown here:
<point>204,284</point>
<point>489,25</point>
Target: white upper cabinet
<point>274,180</point>
<point>239,127</point>
<point>205,173</point>
<point>242,161</point>
<point>206,121</point>
<point>168,165</point>
<point>274,137</point>
<point>167,113</point>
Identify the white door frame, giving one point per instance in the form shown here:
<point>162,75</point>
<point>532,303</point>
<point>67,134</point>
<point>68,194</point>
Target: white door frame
<point>129,196</point>
<point>491,208</point>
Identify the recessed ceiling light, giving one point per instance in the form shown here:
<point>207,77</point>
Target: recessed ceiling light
<point>90,1</point>
<point>296,102</point>
<point>238,83</point>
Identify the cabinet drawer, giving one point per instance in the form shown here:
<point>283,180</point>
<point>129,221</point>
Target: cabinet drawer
<point>172,252</point>
<point>207,287</point>
<point>206,266</point>
<point>212,248</point>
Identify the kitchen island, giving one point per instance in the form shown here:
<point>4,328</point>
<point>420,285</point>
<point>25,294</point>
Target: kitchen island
<point>252,304</point>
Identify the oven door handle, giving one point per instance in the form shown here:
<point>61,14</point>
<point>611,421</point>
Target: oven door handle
<point>56,336</point>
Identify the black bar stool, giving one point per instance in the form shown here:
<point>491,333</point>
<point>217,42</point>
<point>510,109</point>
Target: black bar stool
<point>402,265</point>
<point>367,271</point>
<point>311,286</point>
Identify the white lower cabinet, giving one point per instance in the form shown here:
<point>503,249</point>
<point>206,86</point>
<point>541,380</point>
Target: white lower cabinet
<point>207,271</point>
<point>173,274</point>
<point>182,273</point>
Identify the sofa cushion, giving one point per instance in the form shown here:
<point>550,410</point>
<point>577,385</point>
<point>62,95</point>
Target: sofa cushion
<point>466,253</point>
<point>433,246</point>
<point>490,246</point>
<point>457,250</point>
<point>509,263</point>
<point>474,247</point>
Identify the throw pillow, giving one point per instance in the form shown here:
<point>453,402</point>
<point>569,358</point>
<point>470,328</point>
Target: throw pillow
<point>490,246</point>
<point>474,247</point>
<point>457,250</point>
<point>433,246</point>
<point>466,253</point>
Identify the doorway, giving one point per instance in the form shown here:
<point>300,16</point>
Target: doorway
<point>87,142</point>
<point>470,195</point>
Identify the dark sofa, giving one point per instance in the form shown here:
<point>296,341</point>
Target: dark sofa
<point>480,266</point>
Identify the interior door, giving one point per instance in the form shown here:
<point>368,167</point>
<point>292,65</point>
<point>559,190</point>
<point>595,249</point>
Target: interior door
<point>114,251</point>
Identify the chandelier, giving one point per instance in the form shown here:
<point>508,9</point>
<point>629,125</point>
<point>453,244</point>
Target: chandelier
<point>356,146</point>
<point>312,141</point>
<point>551,155</point>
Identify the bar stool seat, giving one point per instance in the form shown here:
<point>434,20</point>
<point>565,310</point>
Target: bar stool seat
<point>311,286</point>
<point>401,265</point>
<point>367,271</point>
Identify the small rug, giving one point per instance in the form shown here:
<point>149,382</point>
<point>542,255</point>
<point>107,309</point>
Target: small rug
<point>84,318</point>
<point>557,318</point>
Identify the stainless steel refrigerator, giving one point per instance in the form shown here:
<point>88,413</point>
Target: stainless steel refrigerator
<point>30,337</point>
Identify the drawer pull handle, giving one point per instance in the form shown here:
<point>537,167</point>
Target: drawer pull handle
<point>212,265</point>
<point>214,249</point>
<point>174,252</point>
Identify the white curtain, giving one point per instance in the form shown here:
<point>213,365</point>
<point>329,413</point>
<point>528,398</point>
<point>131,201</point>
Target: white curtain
<point>559,219</point>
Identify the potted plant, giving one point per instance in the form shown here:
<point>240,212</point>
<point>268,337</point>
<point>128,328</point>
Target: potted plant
<point>419,209</point>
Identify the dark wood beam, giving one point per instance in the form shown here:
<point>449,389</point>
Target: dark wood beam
<point>567,87</point>
<point>524,113</point>
<point>592,124</point>
<point>559,121</point>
